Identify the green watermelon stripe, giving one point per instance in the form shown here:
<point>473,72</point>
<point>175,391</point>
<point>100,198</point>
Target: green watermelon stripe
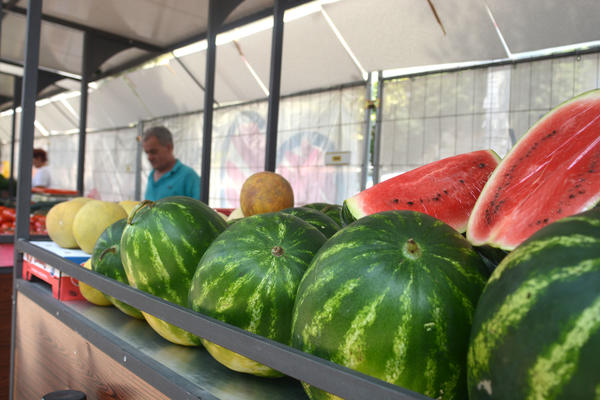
<point>176,260</point>
<point>463,298</point>
<point>152,254</point>
<point>531,250</point>
<point>395,366</point>
<point>354,344</point>
<point>313,328</point>
<point>552,371</point>
<point>514,308</point>
<point>471,276</point>
<point>255,306</point>
<point>228,299</point>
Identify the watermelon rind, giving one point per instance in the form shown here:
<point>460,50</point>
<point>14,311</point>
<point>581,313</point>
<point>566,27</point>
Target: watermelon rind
<point>160,250</point>
<point>550,173</point>
<point>248,277</point>
<point>536,329</point>
<point>445,189</point>
<point>392,295</point>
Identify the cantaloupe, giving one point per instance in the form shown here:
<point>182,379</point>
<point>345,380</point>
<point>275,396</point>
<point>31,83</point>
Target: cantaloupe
<point>265,192</point>
<point>59,221</point>
<point>92,219</point>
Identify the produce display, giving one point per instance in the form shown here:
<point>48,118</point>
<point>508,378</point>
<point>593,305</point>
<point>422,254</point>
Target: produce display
<point>395,283</point>
<point>160,249</point>
<point>446,189</point>
<point>248,277</point>
<point>536,330</point>
<point>37,222</point>
<point>392,295</point>
<point>106,260</point>
<point>551,173</point>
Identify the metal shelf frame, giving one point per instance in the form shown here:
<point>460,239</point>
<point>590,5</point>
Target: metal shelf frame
<point>305,367</point>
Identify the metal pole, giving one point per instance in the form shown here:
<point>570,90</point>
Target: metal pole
<point>209,97</point>
<point>28,98</point>
<point>378,122</point>
<point>83,103</point>
<point>274,85</point>
<point>138,162</point>
<point>367,139</point>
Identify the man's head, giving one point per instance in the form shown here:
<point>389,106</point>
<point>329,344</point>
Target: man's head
<point>39,157</point>
<point>158,146</point>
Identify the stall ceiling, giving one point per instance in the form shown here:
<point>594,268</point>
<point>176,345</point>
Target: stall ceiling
<point>330,43</point>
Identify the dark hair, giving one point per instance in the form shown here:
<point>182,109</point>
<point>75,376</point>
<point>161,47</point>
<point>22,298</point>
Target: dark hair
<point>161,133</point>
<point>41,154</point>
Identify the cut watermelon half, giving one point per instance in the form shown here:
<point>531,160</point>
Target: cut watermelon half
<point>552,172</point>
<point>445,189</point>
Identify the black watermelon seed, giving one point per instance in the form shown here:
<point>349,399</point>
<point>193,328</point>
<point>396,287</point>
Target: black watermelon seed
<point>481,165</point>
<point>410,203</point>
<point>461,181</point>
<point>571,196</point>
<point>395,201</point>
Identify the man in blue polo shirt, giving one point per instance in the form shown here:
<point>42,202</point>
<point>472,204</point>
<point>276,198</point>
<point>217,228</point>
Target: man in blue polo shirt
<point>169,177</point>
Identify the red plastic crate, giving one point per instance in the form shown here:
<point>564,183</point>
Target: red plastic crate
<point>64,287</point>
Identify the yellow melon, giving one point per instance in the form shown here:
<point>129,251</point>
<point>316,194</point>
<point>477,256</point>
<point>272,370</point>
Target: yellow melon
<point>128,205</point>
<point>265,192</point>
<point>59,221</point>
<point>90,293</point>
<point>92,219</point>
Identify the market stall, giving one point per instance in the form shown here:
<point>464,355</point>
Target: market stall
<point>87,343</point>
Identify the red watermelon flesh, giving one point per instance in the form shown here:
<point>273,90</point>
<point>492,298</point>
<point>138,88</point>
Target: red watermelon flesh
<point>551,173</point>
<point>445,189</point>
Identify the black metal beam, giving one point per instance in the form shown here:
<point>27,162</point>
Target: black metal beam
<point>86,66</point>
<point>279,7</point>
<point>98,32</point>
<point>218,10</point>
<point>28,98</point>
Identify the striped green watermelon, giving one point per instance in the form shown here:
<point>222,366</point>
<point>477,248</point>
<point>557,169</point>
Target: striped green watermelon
<point>248,278</point>
<point>536,330</point>
<point>551,173</point>
<point>318,219</point>
<point>106,260</point>
<point>445,189</point>
<point>160,249</point>
<point>333,211</point>
<point>392,295</point>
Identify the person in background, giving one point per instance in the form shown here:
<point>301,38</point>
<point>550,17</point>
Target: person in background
<point>41,178</point>
<point>169,176</point>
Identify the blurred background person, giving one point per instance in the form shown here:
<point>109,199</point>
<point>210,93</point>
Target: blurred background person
<point>41,174</point>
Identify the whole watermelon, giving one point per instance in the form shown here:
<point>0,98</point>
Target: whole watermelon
<point>392,295</point>
<point>318,219</point>
<point>333,211</point>
<point>536,330</point>
<point>106,260</point>
<point>160,249</point>
<point>248,278</point>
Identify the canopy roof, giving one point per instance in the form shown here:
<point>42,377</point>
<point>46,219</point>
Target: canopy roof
<point>326,43</point>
